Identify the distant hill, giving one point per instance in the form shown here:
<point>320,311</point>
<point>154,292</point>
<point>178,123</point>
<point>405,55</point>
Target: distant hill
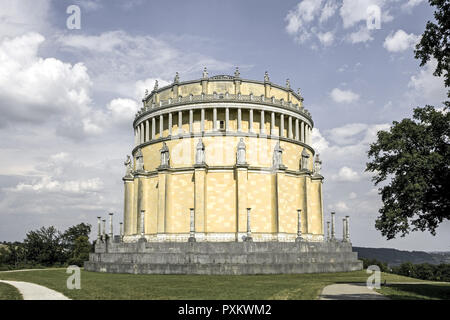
<point>394,257</point>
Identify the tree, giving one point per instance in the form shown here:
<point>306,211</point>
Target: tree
<point>413,157</point>
<point>435,40</point>
<point>81,249</point>
<point>43,246</point>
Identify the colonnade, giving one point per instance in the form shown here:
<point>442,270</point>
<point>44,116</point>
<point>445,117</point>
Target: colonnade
<point>297,129</point>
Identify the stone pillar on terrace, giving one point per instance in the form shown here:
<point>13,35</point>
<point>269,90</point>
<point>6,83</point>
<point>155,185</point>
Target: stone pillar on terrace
<point>299,226</point>
<point>192,226</point>
<point>248,238</point>
<point>111,233</point>
<point>333,235</point>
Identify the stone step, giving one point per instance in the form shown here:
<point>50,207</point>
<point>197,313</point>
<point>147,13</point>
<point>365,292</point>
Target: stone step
<point>223,269</point>
<point>224,258</point>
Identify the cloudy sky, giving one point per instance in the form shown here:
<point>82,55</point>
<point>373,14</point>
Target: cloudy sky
<point>68,96</point>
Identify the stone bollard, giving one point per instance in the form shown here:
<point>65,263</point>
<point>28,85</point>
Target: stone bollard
<point>111,233</point>
<point>99,228</point>
<point>299,226</point>
<point>347,236</point>
<point>328,230</point>
<point>333,235</point>
<point>192,226</point>
<point>121,231</point>
<point>344,230</point>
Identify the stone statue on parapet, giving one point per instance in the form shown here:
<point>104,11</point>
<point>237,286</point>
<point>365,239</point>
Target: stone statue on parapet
<point>129,169</point>
<point>317,165</point>
<point>177,78</point>
<point>165,156</point>
<point>266,77</point>
<point>237,74</point>
<point>240,153</point>
<point>205,73</point>
<point>200,153</point>
<point>304,161</point>
<point>139,161</point>
<point>278,157</point>
<point>156,85</point>
<point>288,83</point>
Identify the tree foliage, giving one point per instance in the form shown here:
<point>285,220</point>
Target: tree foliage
<point>415,157</point>
<point>435,40</point>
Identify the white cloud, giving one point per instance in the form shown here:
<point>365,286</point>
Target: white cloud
<point>362,35</point>
<point>329,9</point>
<point>19,17</point>
<point>339,206</point>
<point>46,184</point>
<point>117,60</point>
<point>411,4</point>
<point>123,110</point>
<point>37,87</point>
<point>400,41</point>
<point>346,174</point>
<point>352,195</point>
<point>427,87</point>
<point>326,38</point>
<point>347,134</point>
<point>343,96</point>
<point>355,11</point>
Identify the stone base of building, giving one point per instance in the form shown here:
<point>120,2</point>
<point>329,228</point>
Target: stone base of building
<point>231,258</point>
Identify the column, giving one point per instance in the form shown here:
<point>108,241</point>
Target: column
<point>297,135</point>
<point>272,123</point>
<point>99,228</point>
<point>332,226</point>
<point>262,129</point>
<point>250,122</point>
<point>142,223</point>
<point>249,230</point>
<point>281,125</point>
<point>121,231</point>
<point>147,130</point>
<point>227,119</point>
<point>162,202</point>
<point>180,122</point>
<point>290,127</point>
<point>111,233</point>
<point>200,199</point>
<point>192,226</point>
<point>239,120</point>
<point>135,137</point>
<point>302,132</point>
<point>161,126</point>
<point>170,124</point>
<point>215,119</point>
<point>153,128</point>
<point>191,121</point>
<point>299,225</point>
<point>202,121</point>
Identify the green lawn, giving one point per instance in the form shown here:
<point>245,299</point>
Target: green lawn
<point>8,292</point>
<point>129,286</point>
<point>425,291</point>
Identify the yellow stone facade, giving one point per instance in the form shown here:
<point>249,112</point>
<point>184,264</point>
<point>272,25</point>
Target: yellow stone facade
<point>220,112</point>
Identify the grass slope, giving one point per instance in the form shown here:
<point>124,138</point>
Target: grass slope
<point>417,291</point>
<point>129,286</point>
<point>8,292</point>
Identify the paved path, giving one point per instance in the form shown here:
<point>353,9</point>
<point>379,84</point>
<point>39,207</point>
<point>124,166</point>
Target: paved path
<point>31,291</point>
<point>350,291</point>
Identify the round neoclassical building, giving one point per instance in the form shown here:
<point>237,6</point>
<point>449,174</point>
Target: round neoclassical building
<point>223,159</point>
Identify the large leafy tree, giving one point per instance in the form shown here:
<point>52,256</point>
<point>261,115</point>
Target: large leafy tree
<point>412,159</point>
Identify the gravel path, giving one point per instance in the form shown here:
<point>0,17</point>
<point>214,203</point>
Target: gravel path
<point>31,291</point>
<point>350,291</point>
